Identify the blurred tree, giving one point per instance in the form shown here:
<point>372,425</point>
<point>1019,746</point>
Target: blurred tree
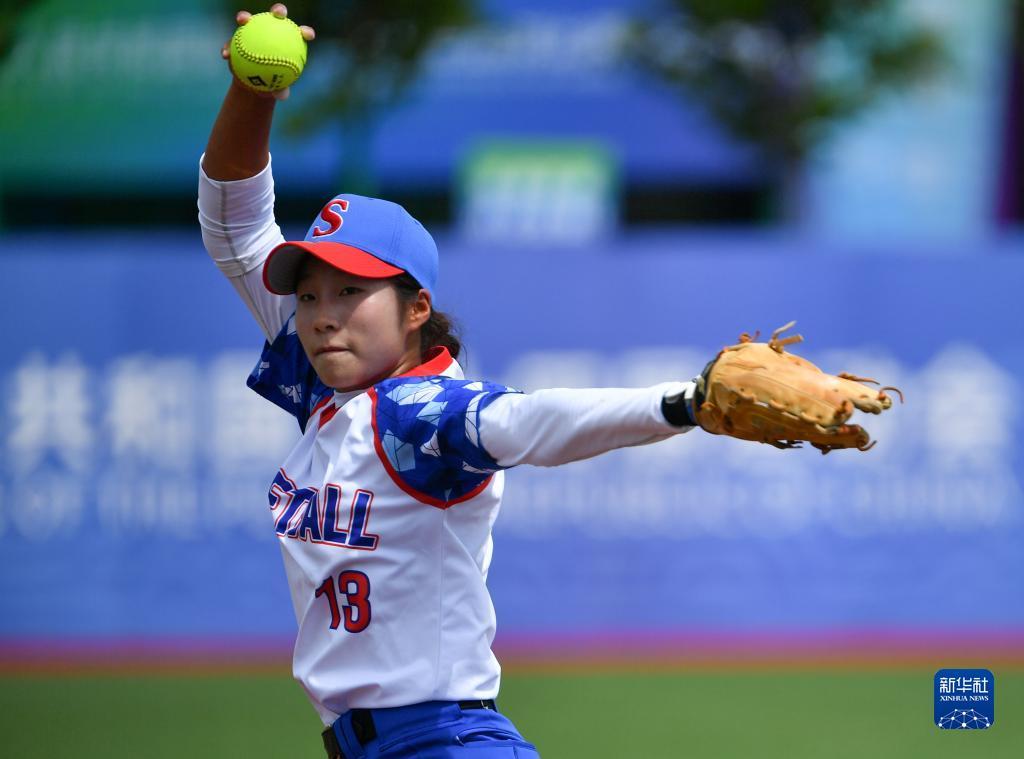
<point>11,12</point>
<point>366,54</point>
<point>779,74</point>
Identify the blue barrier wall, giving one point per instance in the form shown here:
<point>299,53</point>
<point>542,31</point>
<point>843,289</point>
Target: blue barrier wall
<point>132,486</point>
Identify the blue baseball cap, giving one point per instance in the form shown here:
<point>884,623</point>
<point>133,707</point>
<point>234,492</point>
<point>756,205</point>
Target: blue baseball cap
<point>368,237</point>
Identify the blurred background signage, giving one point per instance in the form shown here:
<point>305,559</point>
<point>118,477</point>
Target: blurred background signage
<point>533,192</point>
<point>591,194</point>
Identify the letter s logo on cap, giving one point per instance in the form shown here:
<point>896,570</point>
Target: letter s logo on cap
<point>331,217</point>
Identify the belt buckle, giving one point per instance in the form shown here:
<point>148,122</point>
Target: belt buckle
<point>331,744</point>
<point>362,726</point>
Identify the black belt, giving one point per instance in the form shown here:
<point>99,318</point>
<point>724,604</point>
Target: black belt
<point>365,731</point>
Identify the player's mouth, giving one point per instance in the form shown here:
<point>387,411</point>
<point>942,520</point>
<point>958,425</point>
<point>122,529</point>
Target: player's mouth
<point>328,349</point>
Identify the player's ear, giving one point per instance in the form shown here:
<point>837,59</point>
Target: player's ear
<point>419,310</point>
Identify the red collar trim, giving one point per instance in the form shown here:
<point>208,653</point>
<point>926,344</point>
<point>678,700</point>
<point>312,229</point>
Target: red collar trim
<point>329,398</point>
<point>438,360</point>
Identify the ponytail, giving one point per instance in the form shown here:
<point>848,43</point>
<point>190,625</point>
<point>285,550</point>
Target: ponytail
<point>440,330</point>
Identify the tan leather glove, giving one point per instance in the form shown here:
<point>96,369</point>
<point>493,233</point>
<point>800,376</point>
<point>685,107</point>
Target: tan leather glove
<point>758,391</point>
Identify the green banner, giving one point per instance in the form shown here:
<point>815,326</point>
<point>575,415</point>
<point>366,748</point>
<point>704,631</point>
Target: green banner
<point>121,91</point>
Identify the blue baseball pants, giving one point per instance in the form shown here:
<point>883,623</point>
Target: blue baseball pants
<point>431,730</point>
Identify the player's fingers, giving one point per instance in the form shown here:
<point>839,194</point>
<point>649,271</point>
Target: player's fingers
<point>242,17</point>
<point>308,33</point>
<point>279,10</point>
<point>282,94</point>
<point>224,52</point>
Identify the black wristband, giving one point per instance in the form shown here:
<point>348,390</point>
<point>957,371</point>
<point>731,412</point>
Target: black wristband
<point>674,409</point>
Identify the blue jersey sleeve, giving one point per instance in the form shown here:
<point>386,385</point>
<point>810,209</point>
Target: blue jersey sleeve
<point>427,432</point>
<point>285,377</point>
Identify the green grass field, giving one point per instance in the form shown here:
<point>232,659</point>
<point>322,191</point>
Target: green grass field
<point>831,714</point>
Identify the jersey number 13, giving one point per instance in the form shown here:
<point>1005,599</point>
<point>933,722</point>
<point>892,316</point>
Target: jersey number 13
<point>349,600</point>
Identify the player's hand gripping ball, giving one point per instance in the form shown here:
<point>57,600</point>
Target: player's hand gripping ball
<point>268,52</point>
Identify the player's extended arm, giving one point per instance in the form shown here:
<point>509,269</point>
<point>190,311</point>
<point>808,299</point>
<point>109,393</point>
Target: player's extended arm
<point>751,391</point>
<point>236,194</point>
<point>559,425</point>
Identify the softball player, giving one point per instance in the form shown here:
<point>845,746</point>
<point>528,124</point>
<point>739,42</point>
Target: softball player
<point>384,507</point>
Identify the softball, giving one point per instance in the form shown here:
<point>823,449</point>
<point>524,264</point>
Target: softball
<point>268,53</point>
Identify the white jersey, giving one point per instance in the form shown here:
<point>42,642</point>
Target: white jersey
<point>386,534</point>
<point>384,508</point>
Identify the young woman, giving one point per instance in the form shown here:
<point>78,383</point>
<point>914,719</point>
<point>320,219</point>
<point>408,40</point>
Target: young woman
<point>384,508</point>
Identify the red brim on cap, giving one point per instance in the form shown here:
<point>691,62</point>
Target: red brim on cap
<point>281,268</point>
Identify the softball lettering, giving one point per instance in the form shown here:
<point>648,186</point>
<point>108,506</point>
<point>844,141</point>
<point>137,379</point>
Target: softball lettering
<point>311,515</point>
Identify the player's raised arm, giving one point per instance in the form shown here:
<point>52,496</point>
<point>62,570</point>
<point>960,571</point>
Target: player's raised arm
<point>236,189</point>
<point>239,144</point>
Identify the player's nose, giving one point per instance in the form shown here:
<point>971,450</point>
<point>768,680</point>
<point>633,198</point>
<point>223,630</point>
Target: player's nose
<point>324,318</point>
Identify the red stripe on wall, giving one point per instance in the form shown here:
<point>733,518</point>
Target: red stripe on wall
<point>172,656</point>
<point>620,651</point>
<point>871,648</point>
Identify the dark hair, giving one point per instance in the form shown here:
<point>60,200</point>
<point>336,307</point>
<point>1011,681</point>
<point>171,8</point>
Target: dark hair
<point>440,329</point>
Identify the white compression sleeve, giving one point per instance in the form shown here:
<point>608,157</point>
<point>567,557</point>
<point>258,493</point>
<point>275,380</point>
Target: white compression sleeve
<point>556,426</point>
<point>239,231</point>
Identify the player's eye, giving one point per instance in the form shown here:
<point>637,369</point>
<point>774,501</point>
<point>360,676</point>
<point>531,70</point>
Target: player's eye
<point>349,291</point>
<point>306,297</point>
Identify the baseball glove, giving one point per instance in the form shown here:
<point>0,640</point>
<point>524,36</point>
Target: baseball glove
<point>758,391</point>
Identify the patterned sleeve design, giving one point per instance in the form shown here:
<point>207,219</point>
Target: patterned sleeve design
<point>285,377</point>
<point>427,434</point>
